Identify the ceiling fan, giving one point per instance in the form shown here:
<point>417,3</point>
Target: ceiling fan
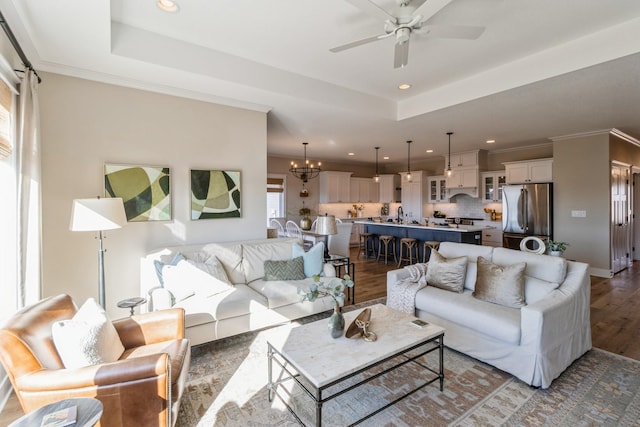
<point>409,16</point>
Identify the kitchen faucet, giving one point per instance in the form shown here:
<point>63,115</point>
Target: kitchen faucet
<point>400,214</point>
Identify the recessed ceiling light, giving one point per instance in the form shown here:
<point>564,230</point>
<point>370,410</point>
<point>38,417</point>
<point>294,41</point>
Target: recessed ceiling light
<point>429,151</point>
<point>386,157</point>
<point>167,5</point>
<point>352,154</point>
<point>491,141</point>
<point>404,86</point>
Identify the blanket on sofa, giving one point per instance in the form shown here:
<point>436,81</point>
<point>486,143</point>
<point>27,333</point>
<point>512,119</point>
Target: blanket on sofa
<point>404,296</point>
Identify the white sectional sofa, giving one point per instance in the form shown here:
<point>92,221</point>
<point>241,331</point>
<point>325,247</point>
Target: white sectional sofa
<point>535,342</point>
<point>248,303</point>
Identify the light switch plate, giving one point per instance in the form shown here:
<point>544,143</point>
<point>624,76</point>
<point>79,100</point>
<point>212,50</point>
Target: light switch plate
<point>579,214</point>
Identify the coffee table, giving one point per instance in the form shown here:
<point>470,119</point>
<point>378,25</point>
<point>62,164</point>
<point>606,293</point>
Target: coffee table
<point>318,363</point>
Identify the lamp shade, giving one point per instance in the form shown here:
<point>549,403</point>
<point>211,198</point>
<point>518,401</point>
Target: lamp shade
<point>97,214</point>
<point>326,225</point>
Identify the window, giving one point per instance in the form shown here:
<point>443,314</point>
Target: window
<point>5,120</point>
<point>275,196</point>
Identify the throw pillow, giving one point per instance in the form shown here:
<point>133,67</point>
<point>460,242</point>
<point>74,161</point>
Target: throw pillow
<point>284,270</point>
<point>500,285</point>
<point>89,338</point>
<point>446,273</point>
<point>160,265</point>
<point>313,259</point>
<point>189,278</point>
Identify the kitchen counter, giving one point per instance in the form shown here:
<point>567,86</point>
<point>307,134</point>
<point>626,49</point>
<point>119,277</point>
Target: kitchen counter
<point>459,229</point>
<point>463,234</point>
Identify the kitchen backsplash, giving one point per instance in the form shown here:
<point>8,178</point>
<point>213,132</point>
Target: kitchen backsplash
<point>462,206</point>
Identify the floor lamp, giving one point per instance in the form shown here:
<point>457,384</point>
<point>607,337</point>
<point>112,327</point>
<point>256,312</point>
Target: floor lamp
<point>98,215</point>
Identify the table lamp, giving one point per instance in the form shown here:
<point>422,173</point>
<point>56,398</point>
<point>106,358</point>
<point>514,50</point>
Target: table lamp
<point>326,226</point>
<point>98,215</point>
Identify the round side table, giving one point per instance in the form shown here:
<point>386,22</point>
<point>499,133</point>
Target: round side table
<point>131,303</point>
<point>89,411</point>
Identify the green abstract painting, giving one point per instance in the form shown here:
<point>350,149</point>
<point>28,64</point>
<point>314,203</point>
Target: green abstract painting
<point>145,191</point>
<point>215,194</point>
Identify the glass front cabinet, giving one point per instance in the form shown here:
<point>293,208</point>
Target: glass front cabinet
<point>438,189</point>
<point>492,183</point>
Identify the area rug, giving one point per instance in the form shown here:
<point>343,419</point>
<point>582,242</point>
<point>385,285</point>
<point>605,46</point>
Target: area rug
<point>227,382</point>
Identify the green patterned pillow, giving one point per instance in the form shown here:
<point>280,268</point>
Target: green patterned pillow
<point>292,269</point>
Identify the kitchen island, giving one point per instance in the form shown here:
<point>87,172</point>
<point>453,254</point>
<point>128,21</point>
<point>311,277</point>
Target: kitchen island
<point>461,234</point>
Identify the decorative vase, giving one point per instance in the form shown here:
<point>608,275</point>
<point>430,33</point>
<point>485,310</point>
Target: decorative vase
<point>555,253</point>
<point>305,223</point>
<point>336,323</point>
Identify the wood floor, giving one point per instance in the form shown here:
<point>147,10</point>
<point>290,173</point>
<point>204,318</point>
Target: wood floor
<point>615,311</point>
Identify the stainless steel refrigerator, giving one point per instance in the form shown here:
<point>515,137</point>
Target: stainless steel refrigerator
<point>527,210</point>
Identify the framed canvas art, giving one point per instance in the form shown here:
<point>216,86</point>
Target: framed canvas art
<point>215,194</point>
<point>145,190</point>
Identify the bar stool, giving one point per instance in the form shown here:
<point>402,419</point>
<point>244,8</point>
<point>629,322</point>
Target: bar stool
<point>433,245</point>
<point>408,244</point>
<point>386,240</point>
<point>363,245</point>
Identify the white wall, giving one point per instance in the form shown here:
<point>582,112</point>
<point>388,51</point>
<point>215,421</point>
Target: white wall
<point>87,124</point>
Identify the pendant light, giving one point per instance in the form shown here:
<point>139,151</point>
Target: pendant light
<point>449,158</point>
<point>376,178</point>
<point>409,161</point>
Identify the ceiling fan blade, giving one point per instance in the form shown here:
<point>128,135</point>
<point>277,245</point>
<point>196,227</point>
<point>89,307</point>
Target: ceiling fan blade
<point>372,9</point>
<point>359,42</point>
<point>430,8</point>
<point>401,54</point>
<point>451,31</point>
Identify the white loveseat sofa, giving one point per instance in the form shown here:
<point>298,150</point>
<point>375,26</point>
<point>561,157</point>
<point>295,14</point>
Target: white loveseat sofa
<point>249,303</point>
<point>536,342</point>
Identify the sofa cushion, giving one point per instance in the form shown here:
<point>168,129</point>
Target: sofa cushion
<point>211,265</point>
<point>159,265</point>
<point>290,269</point>
<point>281,292</point>
<point>89,338</point>
<point>256,253</point>
<point>192,278</point>
<point>238,301</point>
<point>497,321</point>
<point>500,285</point>
<point>446,273</point>
<point>313,258</point>
<point>537,289</point>
<point>544,267</point>
<point>472,252</point>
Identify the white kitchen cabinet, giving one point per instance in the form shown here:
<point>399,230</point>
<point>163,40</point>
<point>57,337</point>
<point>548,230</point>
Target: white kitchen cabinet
<point>335,187</point>
<point>530,171</point>
<point>492,183</point>
<point>363,190</point>
<point>492,237</point>
<point>387,188</point>
<point>463,181</point>
<point>467,159</point>
<point>438,189</point>
<point>414,195</point>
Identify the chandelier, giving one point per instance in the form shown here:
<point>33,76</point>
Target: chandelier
<point>307,171</point>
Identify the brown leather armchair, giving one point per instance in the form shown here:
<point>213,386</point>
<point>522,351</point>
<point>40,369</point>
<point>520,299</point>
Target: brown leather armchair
<point>143,388</point>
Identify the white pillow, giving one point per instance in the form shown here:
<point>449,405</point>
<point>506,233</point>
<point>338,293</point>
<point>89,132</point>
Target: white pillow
<point>88,339</point>
<point>189,278</point>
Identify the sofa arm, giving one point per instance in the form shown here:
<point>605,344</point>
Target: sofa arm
<point>394,276</point>
<point>562,317</point>
<point>148,328</point>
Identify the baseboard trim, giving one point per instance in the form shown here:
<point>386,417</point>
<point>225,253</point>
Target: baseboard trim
<point>600,272</point>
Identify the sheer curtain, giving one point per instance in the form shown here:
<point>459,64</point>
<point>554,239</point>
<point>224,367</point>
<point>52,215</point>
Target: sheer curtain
<point>28,161</point>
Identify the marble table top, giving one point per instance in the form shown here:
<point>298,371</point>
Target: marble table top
<point>322,359</point>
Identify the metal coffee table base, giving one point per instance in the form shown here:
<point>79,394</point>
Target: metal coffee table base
<point>437,343</point>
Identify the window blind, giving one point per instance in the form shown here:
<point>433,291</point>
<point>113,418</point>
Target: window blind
<point>275,185</point>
